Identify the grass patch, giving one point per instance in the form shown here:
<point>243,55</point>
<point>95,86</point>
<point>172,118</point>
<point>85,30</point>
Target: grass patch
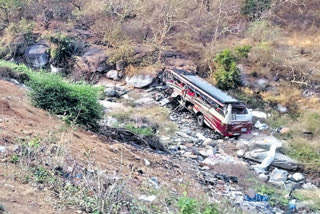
<point>276,196</point>
<point>77,102</point>
<point>146,131</point>
<point>312,197</point>
<point>189,205</point>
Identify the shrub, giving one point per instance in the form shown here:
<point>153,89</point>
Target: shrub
<point>262,31</point>
<point>189,205</point>
<point>254,8</point>
<point>147,131</point>
<point>243,51</point>
<point>227,74</point>
<point>123,53</point>
<point>62,49</point>
<point>78,102</point>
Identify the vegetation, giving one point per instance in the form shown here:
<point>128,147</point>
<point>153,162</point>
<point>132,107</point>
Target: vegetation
<point>147,131</point>
<point>276,196</point>
<point>254,8</point>
<point>311,197</point>
<point>191,206</point>
<point>77,102</point>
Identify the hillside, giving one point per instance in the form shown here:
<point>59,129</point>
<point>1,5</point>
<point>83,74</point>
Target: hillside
<point>85,122</point>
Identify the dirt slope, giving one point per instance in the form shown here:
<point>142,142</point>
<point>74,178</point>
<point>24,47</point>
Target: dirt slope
<point>20,120</point>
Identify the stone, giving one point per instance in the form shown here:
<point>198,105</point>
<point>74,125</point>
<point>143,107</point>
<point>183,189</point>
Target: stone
<point>37,55</point>
<point>309,186</point>
<point>297,177</point>
<point>282,108</point>
<point>263,177</point>
<point>111,92</point>
<point>206,152</point>
<point>259,114</point>
<point>278,177</point>
<point>2,149</point>
<point>93,60</point>
<point>120,65</point>
<point>261,126</point>
<point>114,75</point>
<point>262,83</point>
<point>285,130</point>
<point>146,198</point>
<point>280,160</point>
<point>55,69</point>
<point>140,80</point>
<point>146,162</point>
<point>209,142</point>
<point>240,153</point>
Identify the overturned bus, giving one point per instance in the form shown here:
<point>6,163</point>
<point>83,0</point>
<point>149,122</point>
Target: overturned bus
<point>211,106</point>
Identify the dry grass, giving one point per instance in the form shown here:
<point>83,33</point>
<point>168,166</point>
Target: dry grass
<point>310,197</point>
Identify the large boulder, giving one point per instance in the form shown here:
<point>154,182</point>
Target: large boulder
<point>114,75</point>
<point>280,160</point>
<point>140,80</point>
<point>37,55</point>
<point>93,60</point>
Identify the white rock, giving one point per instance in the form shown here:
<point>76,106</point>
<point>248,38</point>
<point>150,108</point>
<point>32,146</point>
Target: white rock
<point>2,149</point>
<point>282,108</point>
<point>309,186</point>
<point>278,177</point>
<point>261,126</point>
<point>146,162</point>
<point>297,177</point>
<point>240,153</point>
<point>146,198</point>
<point>263,177</point>
<point>113,74</point>
<point>140,81</point>
<point>259,114</point>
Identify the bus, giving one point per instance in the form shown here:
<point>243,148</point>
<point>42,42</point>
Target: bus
<point>212,107</point>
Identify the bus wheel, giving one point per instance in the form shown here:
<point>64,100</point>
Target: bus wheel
<point>200,120</point>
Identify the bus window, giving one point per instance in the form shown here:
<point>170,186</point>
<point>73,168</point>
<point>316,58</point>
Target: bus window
<point>239,110</point>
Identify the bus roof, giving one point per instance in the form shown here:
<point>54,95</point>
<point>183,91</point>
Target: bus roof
<point>206,87</point>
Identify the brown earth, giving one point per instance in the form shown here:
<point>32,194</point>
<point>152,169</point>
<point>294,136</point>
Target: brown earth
<point>20,120</point>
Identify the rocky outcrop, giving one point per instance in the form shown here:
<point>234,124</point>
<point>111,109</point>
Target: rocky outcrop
<point>93,60</point>
<point>37,56</point>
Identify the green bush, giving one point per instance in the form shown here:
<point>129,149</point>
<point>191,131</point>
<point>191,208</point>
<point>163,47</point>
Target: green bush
<point>227,74</point>
<point>191,206</point>
<point>254,8</point>
<point>243,51</point>
<point>78,102</point>
<point>123,53</point>
<point>62,49</point>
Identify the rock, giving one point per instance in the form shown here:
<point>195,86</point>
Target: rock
<point>206,152</point>
<point>209,142</point>
<point>285,130</point>
<point>259,114</point>
<point>115,91</point>
<point>110,106</point>
<point>111,92</point>
<point>240,153</point>
<point>280,160</point>
<point>114,75</point>
<point>146,198</point>
<point>261,126</point>
<point>37,56</point>
<point>309,186</point>
<point>154,182</point>
<point>140,80</point>
<point>297,177</point>
<point>145,101</point>
<point>282,108</point>
<point>146,162</point>
<point>263,177</point>
<point>262,83</point>
<point>55,69</point>
<point>120,65</point>
<point>2,149</point>
<point>278,177</point>
<point>93,60</point>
